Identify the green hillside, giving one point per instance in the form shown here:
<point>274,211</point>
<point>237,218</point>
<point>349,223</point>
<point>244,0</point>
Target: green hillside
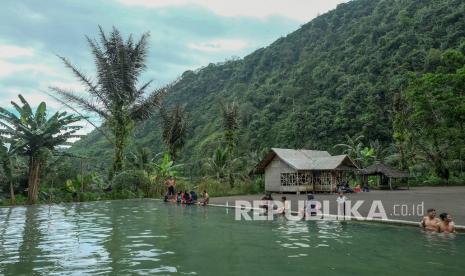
<point>336,75</point>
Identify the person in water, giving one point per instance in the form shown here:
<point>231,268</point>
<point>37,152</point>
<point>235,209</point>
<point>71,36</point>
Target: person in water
<point>267,198</point>
<point>205,198</point>
<point>430,221</point>
<point>285,209</point>
<point>446,225</point>
<point>311,206</point>
<point>341,204</point>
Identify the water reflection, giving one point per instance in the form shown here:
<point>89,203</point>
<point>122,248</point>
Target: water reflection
<point>81,238</point>
<point>310,234</point>
<point>445,243</point>
<point>147,237</point>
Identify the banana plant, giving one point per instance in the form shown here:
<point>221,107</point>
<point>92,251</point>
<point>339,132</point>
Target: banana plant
<point>166,168</point>
<point>34,135</point>
<point>8,162</point>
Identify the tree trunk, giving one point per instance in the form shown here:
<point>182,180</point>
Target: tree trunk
<point>12,193</point>
<point>118,161</point>
<point>33,180</point>
<point>121,133</point>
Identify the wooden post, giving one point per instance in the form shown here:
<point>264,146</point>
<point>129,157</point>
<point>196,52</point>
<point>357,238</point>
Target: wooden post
<point>297,183</point>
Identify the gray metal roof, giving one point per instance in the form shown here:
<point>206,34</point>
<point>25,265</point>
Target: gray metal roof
<point>307,160</point>
<point>299,159</point>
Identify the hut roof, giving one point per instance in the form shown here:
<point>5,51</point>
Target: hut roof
<point>306,160</point>
<point>383,169</point>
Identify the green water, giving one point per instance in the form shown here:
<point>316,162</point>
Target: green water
<point>148,237</point>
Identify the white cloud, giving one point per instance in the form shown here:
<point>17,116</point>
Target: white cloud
<point>11,51</point>
<point>300,10</point>
<point>219,45</point>
<point>9,68</point>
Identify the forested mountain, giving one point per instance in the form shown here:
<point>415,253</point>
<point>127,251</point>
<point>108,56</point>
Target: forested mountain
<point>337,75</point>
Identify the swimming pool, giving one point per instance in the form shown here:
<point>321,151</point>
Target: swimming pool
<point>146,237</point>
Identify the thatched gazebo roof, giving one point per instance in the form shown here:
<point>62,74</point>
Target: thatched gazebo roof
<point>383,169</point>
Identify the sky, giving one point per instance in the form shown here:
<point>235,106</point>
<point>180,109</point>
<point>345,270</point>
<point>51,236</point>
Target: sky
<point>184,35</point>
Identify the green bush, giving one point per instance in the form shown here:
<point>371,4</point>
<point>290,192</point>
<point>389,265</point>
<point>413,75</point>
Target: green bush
<point>458,180</point>
<point>216,187</point>
<point>131,180</point>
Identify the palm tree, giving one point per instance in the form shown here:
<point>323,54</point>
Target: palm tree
<point>140,159</point>
<point>33,135</point>
<point>230,124</point>
<point>174,124</point>
<point>218,163</point>
<point>8,161</point>
<point>115,95</point>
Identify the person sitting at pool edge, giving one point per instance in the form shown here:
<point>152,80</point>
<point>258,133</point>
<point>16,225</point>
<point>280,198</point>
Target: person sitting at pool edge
<point>186,197</point>
<point>430,221</point>
<point>446,225</point>
<point>205,198</point>
<point>193,197</point>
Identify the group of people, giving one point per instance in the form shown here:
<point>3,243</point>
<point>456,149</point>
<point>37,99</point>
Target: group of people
<point>345,187</point>
<point>184,197</point>
<point>310,208</point>
<point>443,224</point>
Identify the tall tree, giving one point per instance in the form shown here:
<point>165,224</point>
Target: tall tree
<point>230,118</point>
<point>230,126</point>
<point>436,112</point>
<point>115,96</point>
<point>33,135</point>
<point>174,124</point>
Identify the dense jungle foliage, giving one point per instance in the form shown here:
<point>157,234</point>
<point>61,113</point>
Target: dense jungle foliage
<point>337,75</point>
<point>380,80</point>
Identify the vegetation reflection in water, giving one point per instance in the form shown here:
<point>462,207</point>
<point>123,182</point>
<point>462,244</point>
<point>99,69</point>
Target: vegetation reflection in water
<point>147,237</point>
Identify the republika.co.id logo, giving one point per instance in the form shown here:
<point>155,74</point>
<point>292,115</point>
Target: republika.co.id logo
<point>311,210</point>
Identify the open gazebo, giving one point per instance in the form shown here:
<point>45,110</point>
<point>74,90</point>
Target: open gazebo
<point>385,174</point>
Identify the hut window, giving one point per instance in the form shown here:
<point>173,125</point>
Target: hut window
<point>288,179</point>
<point>305,178</point>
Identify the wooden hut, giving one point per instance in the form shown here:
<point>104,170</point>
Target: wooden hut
<point>290,170</point>
<point>385,174</point>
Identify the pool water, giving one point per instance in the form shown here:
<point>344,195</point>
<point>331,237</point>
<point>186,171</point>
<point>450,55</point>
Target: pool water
<point>146,237</point>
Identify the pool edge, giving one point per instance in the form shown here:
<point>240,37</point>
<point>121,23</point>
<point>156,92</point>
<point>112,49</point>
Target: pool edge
<point>458,228</point>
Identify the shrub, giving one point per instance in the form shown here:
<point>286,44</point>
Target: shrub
<point>131,180</point>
